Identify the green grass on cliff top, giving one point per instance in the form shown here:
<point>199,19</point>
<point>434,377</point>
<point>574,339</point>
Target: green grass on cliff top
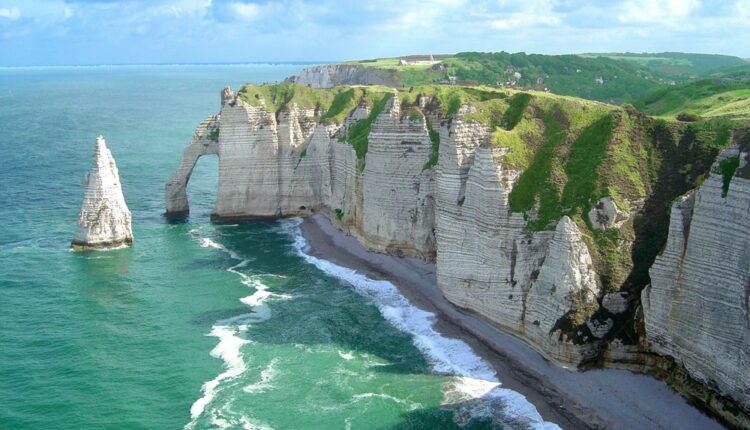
<point>278,96</point>
<point>333,103</point>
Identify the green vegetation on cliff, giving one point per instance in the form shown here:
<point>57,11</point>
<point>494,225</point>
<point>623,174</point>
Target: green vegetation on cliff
<point>582,167</point>
<point>359,132</point>
<point>342,104</point>
<point>435,150</point>
<point>516,107</point>
<point>332,104</point>
<point>451,98</point>
<point>278,96</point>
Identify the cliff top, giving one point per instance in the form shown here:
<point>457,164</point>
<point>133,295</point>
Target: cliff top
<point>333,103</point>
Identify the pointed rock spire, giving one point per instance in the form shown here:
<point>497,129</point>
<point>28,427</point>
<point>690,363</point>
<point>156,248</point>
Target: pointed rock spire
<point>104,220</point>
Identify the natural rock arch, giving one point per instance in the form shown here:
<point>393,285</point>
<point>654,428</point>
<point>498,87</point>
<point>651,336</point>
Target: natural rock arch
<point>205,141</point>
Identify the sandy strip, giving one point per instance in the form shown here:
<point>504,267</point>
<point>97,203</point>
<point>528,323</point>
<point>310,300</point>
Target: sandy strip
<point>606,398</point>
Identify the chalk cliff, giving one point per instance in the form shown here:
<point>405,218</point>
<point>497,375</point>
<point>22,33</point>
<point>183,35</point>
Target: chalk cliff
<point>543,214</point>
<point>697,308</point>
<point>104,220</point>
<point>331,75</point>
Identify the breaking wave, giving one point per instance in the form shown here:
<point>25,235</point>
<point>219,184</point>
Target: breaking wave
<point>474,385</point>
<point>229,331</point>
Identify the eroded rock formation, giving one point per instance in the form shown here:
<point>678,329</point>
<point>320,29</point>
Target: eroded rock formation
<point>104,221</point>
<point>205,141</point>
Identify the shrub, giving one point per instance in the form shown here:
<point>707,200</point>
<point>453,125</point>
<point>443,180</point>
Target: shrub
<point>435,139</point>
<point>688,117</point>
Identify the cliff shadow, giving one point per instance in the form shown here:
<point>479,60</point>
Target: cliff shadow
<point>683,163</point>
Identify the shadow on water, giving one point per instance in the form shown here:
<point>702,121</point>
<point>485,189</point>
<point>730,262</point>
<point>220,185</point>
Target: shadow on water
<point>484,413</point>
<point>443,419</point>
<point>104,266</point>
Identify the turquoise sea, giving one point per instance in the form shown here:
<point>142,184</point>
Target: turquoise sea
<point>198,326</point>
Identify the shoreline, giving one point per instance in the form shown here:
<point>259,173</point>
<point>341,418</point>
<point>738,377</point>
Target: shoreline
<point>599,398</point>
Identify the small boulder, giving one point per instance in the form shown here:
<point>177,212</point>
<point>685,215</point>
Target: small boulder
<point>599,329</point>
<point>605,214</point>
<point>616,303</point>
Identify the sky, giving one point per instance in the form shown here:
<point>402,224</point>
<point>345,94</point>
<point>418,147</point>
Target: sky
<point>80,32</point>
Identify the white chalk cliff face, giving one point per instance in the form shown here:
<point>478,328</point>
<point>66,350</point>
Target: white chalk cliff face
<point>539,285</point>
<point>697,307</point>
<point>487,262</point>
<point>104,221</point>
<point>331,75</point>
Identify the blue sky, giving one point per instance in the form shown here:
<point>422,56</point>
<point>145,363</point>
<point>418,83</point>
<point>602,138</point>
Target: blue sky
<point>62,32</point>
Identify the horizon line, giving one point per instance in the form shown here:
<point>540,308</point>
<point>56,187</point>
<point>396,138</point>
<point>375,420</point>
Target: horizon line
<point>241,63</point>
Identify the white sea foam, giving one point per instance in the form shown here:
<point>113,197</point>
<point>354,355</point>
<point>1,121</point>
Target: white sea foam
<point>266,377</point>
<point>409,405</point>
<point>346,355</point>
<point>208,243</point>
<point>224,423</point>
<point>474,378</point>
<point>248,424</point>
<point>228,350</point>
<point>230,343</point>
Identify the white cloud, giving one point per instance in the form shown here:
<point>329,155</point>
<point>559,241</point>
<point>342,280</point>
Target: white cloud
<point>668,12</point>
<point>11,13</point>
<point>245,11</point>
<point>531,13</point>
<point>742,11</point>
<point>523,19</point>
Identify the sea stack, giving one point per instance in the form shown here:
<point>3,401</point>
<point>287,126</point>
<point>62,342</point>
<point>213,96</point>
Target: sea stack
<point>104,220</point>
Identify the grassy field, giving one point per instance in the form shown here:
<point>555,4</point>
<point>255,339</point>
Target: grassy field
<point>708,98</point>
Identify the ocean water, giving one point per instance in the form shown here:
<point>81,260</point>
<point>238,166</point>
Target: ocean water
<point>198,326</point>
